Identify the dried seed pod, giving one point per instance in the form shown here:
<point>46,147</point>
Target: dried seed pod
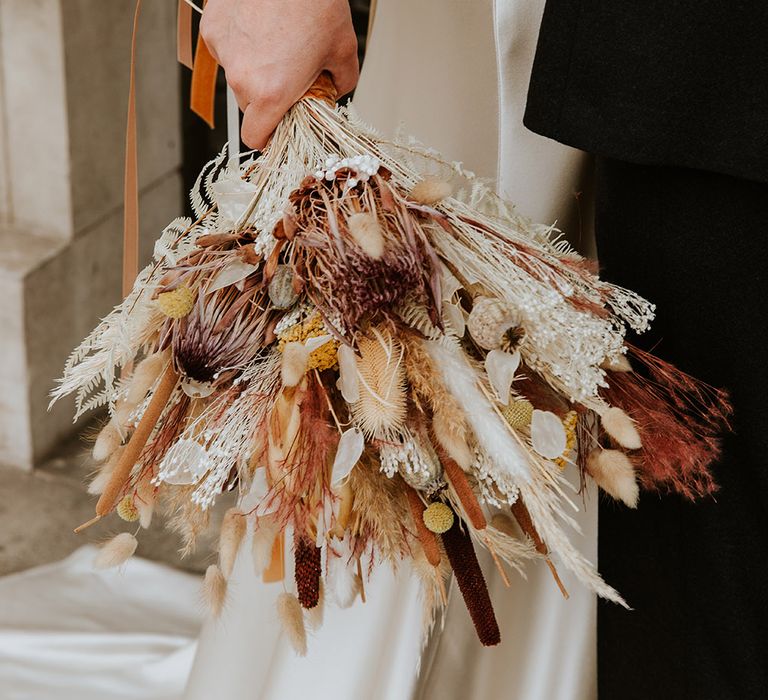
<point>469,576</point>
<point>281,291</point>
<point>307,571</point>
<point>494,324</point>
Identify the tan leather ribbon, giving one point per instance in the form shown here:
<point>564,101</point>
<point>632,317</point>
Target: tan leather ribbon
<point>203,91</point>
<point>131,182</point>
<point>275,571</point>
<point>184,35</point>
<point>322,89</point>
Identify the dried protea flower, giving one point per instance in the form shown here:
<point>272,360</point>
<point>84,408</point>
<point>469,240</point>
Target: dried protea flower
<point>494,324</point>
<point>225,330</point>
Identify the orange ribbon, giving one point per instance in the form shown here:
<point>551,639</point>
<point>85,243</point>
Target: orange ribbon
<point>203,91</point>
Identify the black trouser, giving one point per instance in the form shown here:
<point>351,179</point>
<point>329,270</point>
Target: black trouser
<point>696,574</point>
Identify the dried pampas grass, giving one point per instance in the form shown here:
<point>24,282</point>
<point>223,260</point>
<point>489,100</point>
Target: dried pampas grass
<point>292,619</point>
<point>614,473</point>
<point>621,428</point>
<point>232,533</point>
<point>214,589</point>
<point>116,551</point>
<point>448,423</point>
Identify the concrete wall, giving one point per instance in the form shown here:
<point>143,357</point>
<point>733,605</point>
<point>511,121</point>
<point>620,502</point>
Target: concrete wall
<point>63,95</point>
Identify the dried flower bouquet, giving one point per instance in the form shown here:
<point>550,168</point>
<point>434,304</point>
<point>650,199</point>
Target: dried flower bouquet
<point>385,362</point>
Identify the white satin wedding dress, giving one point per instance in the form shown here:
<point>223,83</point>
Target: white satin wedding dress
<point>454,74</point>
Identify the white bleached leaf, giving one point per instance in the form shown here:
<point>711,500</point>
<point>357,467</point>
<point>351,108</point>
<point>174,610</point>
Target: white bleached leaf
<point>233,195</point>
<point>197,390</point>
<point>548,434</point>
<point>501,367</point>
<point>233,273</point>
<point>348,453</point>
<point>317,341</point>
<point>186,462</point>
<point>348,383</point>
<point>449,284</point>
<point>256,501</point>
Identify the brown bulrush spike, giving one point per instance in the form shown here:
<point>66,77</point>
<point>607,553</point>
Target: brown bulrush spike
<point>307,571</point>
<point>122,471</point>
<point>426,537</point>
<point>469,576</point>
<point>464,491</point>
<point>523,517</point>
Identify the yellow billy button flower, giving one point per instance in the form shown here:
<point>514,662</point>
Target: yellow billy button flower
<point>438,517</point>
<point>518,413</point>
<point>127,509</point>
<point>177,303</point>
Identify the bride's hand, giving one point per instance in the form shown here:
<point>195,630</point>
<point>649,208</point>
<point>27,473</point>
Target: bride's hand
<point>272,51</point>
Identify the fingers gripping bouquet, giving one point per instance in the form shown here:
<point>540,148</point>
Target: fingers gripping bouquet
<point>382,371</point>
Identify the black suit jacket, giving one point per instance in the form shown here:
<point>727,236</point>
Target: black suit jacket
<point>670,82</point>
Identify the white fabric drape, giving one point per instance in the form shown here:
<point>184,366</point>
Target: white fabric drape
<point>71,633</point>
<point>454,74</point>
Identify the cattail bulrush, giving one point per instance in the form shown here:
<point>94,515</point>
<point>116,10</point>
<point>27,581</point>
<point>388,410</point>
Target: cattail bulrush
<point>108,440</point>
<point>613,472</point>
<point>366,232</point>
<point>230,537</point>
<point>132,451</point>
<point>214,589</point>
<point>307,569</point>
<point>469,576</point>
<point>116,551</point>
<point>426,537</point>
<point>452,438</point>
<point>292,619</point>
<point>430,191</point>
<point>524,520</point>
<point>621,428</point>
<point>463,490</point>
